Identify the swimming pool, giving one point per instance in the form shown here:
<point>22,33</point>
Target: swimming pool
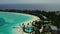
<point>10,20</point>
<point>28,29</point>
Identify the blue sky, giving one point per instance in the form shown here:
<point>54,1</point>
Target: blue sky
<point>29,1</point>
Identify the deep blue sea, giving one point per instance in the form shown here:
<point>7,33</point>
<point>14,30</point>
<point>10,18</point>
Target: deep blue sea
<point>21,6</point>
<point>48,7</point>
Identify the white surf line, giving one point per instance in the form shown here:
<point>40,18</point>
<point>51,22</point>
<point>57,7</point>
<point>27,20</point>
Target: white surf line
<point>34,18</point>
<point>19,30</point>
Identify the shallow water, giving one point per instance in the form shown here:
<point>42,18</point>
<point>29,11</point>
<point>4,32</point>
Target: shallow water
<point>11,20</point>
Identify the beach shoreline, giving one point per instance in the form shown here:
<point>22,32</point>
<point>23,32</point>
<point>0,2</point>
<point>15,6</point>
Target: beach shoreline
<point>34,18</point>
<point>19,30</point>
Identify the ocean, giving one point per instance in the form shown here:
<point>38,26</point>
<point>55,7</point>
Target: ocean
<point>10,20</point>
<point>47,7</point>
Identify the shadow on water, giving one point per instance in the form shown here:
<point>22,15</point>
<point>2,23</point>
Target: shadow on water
<point>2,21</point>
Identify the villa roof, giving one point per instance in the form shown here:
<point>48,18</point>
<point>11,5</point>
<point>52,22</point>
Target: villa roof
<point>53,27</point>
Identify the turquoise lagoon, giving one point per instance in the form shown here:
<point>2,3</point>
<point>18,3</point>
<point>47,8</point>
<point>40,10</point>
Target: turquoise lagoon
<point>8,20</point>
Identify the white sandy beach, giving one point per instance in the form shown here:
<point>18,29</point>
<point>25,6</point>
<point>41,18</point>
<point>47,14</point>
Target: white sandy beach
<point>19,29</point>
<point>34,18</point>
